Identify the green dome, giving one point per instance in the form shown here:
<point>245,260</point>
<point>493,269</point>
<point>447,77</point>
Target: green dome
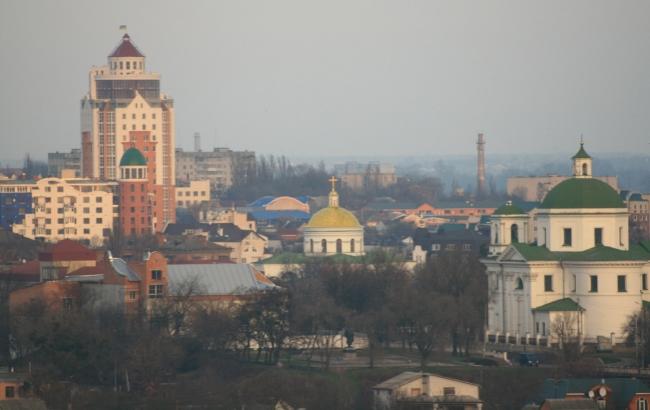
<point>582,193</point>
<point>509,209</point>
<point>133,158</point>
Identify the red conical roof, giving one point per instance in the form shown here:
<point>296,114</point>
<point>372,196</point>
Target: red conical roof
<point>126,49</point>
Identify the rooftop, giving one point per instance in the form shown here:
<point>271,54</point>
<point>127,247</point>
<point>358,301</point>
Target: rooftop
<point>126,48</point>
<point>598,253</point>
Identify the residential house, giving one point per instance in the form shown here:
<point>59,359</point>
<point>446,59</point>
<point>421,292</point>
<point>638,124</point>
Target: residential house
<point>425,391</point>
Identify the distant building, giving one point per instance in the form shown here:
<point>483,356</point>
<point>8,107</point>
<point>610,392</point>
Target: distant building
<point>194,194</point>
<point>270,209</point>
<point>58,161</point>
<point>612,393</point>
<point>535,188</point>
<point>228,216</point>
<point>223,167</point>
<point>124,109</point>
<point>373,174</point>
<point>638,206</point>
<point>15,202</point>
<point>66,208</point>
<point>448,238</point>
<point>416,390</point>
<point>109,283</point>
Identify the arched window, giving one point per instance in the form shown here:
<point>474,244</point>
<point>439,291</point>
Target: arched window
<point>339,246</point>
<point>496,234</point>
<point>352,245</point>
<point>585,169</point>
<point>311,246</point>
<point>323,246</point>
<point>514,233</point>
<point>519,285</point>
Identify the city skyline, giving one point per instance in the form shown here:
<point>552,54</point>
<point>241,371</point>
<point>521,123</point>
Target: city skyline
<point>303,79</point>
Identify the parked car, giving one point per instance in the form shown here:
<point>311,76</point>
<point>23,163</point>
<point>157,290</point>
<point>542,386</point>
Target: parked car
<point>528,359</point>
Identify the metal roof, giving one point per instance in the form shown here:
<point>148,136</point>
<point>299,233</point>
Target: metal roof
<point>121,267</point>
<point>218,279</point>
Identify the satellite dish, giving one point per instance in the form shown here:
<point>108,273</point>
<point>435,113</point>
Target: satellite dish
<point>591,394</point>
<point>602,392</point>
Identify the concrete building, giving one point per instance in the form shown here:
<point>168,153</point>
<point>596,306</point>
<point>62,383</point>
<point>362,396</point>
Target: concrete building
<point>58,161</point>
<point>223,167</point>
<point>638,205</point>
<point>535,188</point>
<point>125,108</point>
<point>194,194</point>
<point>373,174</point>
<point>136,194</point>
<point>425,391</point>
<point>333,230</point>
<point>233,216</point>
<point>15,202</point>
<point>557,275</point>
<point>67,208</point>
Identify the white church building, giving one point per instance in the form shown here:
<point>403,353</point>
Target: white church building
<point>566,268</point>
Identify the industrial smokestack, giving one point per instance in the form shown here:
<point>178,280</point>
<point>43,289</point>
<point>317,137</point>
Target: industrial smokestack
<point>197,142</point>
<point>480,169</point>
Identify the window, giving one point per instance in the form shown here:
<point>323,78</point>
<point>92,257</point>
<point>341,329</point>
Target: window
<point>98,210</point>
<point>567,237</point>
<point>642,404</point>
<point>351,245</point>
<point>519,284</point>
<point>98,199</point>
<point>537,327</point>
<point>548,283</point>
<point>415,391</point>
<point>620,235</point>
<point>155,291</point>
<point>514,233</point>
<point>323,246</point>
<point>449,391</point>
<point>99,220</point>
<point>132,295</point>
<point>339,246</point>
<point>593,279</point>
<point>156,274</point>
<point>543,328</point>
<point>86,210</point>
<point>10,392</point>
<point>67,304</point>
<point>598,236</point>
<point>644,281</point>
<point>622,283</point>
<point>585,170</point>
<point>311,246</point>
<point>575,283</point>
<point>86,231</point>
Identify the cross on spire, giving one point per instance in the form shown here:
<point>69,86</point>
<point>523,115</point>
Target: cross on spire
<point>333,181</point>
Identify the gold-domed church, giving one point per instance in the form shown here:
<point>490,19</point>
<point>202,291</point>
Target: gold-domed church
<point>333,230</point>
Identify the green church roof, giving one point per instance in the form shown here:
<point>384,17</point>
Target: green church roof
<point>132,157</point>
<point>560,305</point>
<point>582,193</point>
<point>509,209</point>
<point>581,153</point>
<point>595,254</point>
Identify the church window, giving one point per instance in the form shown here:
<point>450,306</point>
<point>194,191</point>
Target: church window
<point>323,246</point>
<point>311,246</point>
<point>620,235</point>
<point>598,236</point>
<point>593,279</point>
<point>351,245</point>
<point>548,283</point>
<point>121,65</point>
<point>514,233</point>
<point>496,234</point>
<point>574,284</point>
<point>644,281</point>
<point>567,237</point>
<point>543,328</point>
<point>585,169</point>
<point>622,283</point>
<point>520,284</point>
<point>339,246</point>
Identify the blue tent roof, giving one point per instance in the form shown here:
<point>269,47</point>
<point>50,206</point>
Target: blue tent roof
<point>265,200</point>
<point>270,215</point>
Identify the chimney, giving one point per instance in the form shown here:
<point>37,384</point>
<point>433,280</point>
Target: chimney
<point>480,170</point>
<point>197,142</point>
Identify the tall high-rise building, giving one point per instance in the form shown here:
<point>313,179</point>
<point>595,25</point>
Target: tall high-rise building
<point>124,108</point>
<point>480,166</point>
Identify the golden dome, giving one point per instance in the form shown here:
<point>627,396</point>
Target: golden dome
<point>333,217</point>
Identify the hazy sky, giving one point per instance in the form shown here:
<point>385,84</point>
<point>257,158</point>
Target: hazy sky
<point>347,77</point>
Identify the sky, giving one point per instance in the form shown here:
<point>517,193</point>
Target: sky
<point>343,77</point>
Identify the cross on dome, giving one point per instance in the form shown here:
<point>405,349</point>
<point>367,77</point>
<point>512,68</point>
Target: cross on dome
<point>333,181</point>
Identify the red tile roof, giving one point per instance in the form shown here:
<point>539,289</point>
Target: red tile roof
<point>67,250</point>
<point>126,49</point>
